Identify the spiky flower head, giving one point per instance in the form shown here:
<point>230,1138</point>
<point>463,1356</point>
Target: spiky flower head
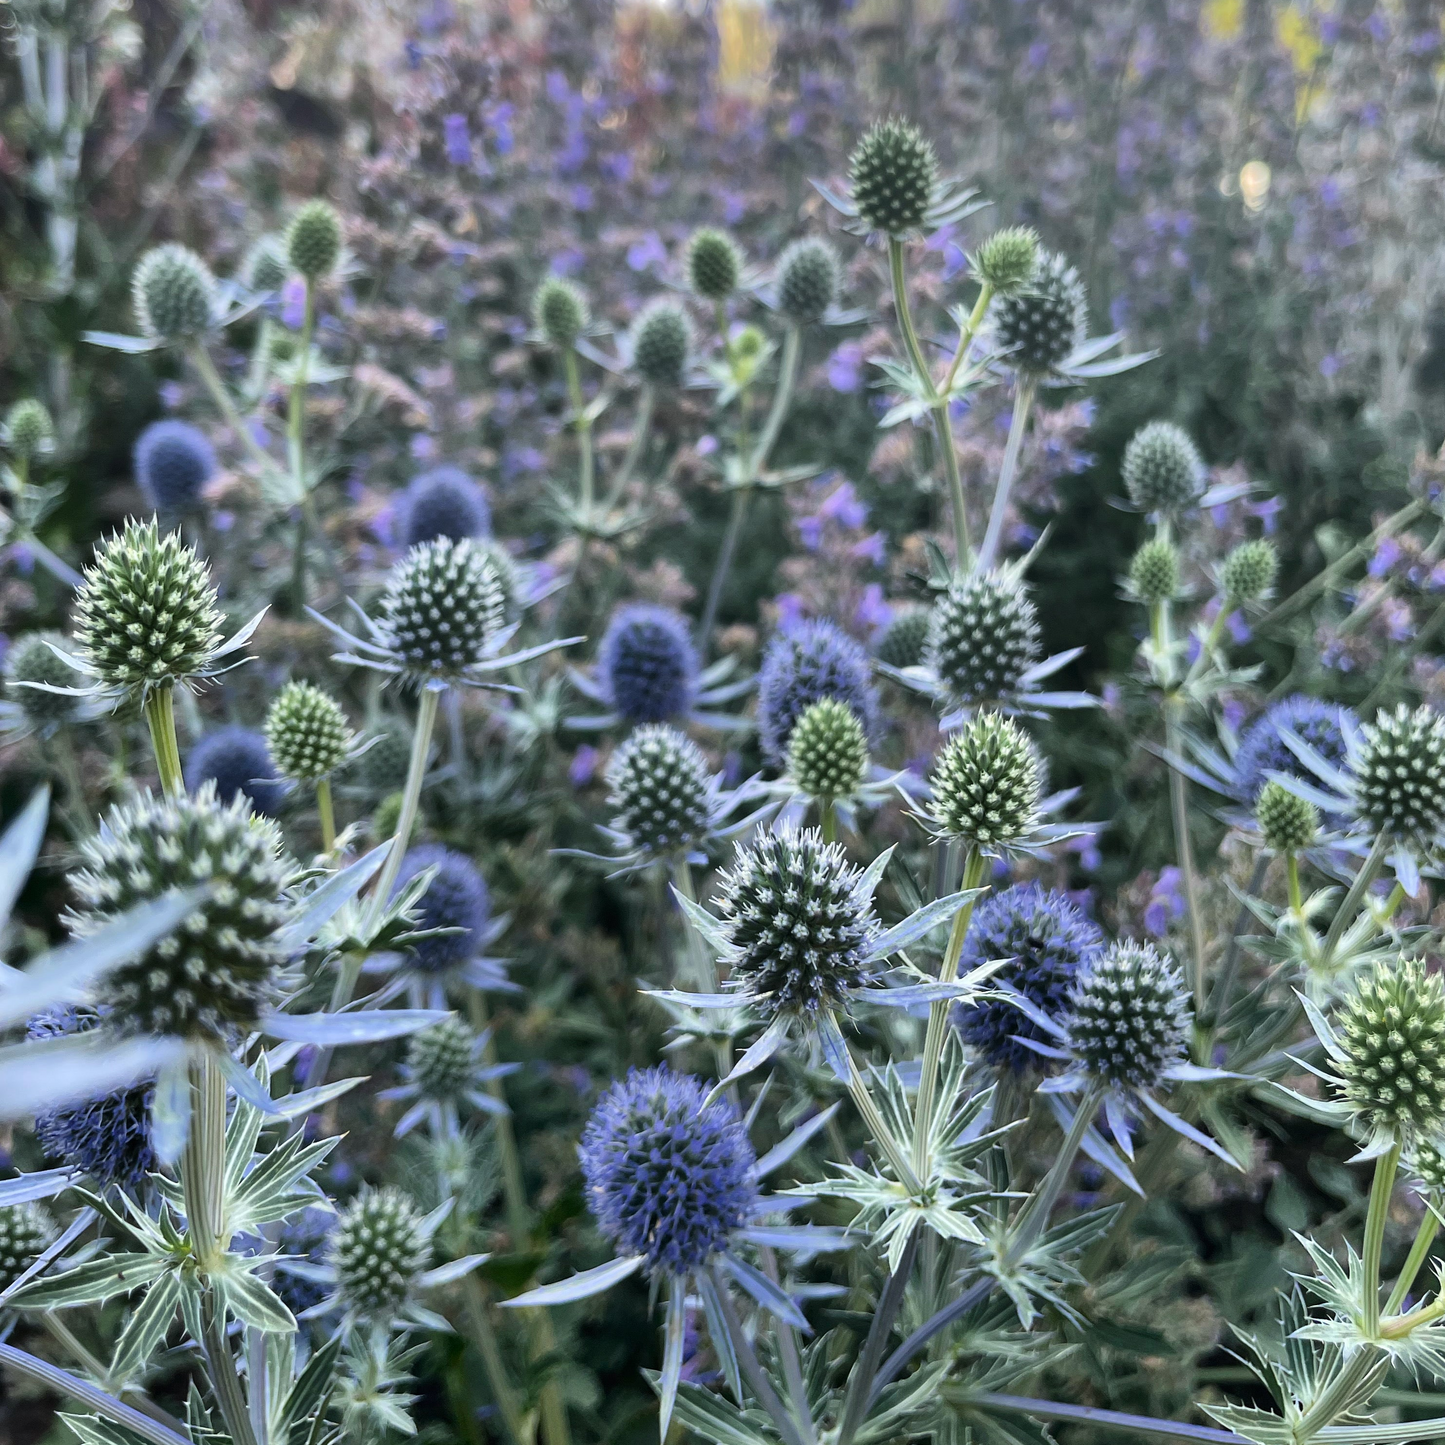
<point>28,429</point>
<point>803,666</point>
<point>828,751</point>
<point>983,636</point>
<point>893,171</point>
<point>668,1175</point>
<point>647,665</point>
<point>1154,572</point>
<point>714,264</point>
<point>108,1137</point>
<point>1288,822</point>
<point>1046,940</point>
<point>796,913</point>
<point>1248,572</point>
<point>661,340</point>
<point>238,764</point>
<point>146,614</point>
<point>174,294</point>
<point>173,460</point>
<point>1129,1016</point>
<point>31,658</point>
<point>1425,1163</point>
<point>661,794</point>
<point>1400,773</point>
<point>25,1232</point>
<point>1041,324</point>
<point>382,768</point>
<point>442,502</point>
<point>442,1060</point>
<point>1007,260</point>
<point>905,639</point>
<point>457,898</point>
<point>307,733</point>
<point>443,605</point>
<point>313,240</point>
<point>987,783</point>
<point>1391,1031</point>
<point>560,311</point>
<point>1262,749</point>
<point>265,267</point>
<point>214,973</point>
<point>378,1248</point>
<point>808,280</point>
<point>1163,471</point>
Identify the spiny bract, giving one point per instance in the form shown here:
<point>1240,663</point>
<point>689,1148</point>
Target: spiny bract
<point>661,341</point>
<point>1287,821</point>
<point>173,460</point>
<point>378,1249</point>
<point>1400,773</point>
<point>443,606</point>
<point>25,1231</point>
<point>661,794</point>
<point>313,240</point>
<point>215,972</point>
<point>807,275</point>
<point>1040,325</point>
<point>647,665</point>
<point>714,264</point>
<point>828,751</point>
<point>1162,469</point>
<point>987,783</point>
<point>983,636</point>
<point>174,294</point>
<point>892,172</point>
<point>803,666</point>
<point>442,1060</point>
<point>1129,1017</point>
<point>307,733</point>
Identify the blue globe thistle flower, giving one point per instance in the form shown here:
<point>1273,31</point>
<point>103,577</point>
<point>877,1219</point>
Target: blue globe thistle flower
<point>237,760</point>
<point>173,461</point>
<point>668,1177</point>
<point>801,667</point>
<point>457,897</point>
<point>1261,751</point>
<point>647,665</point>
<point>444,502</point>
<point>108,1137</point>
<point>1048,939</point>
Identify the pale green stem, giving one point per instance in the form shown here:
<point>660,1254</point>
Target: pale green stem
<point>1424,1238</point>
<point>217,388</point>
<point>296,447</point>
<point>426,717</point>
<point>641,430</point>
<point>509,1404</point>
<point>965,339</point>
<point>1184,851</point>
<point>1347,910</point>
<point>882,1134</point>
<point>583,426</point>
<point>782,400</point>
<point>828,819</point>
<point>327,814</point>
<point>702,960</point>
<point>1374,1244</point>
<point>161,719</point>
<point>1332,1401</point>
<point>1296,895</point>
<point>736,517</point>
<point>1018,425</point>
<point>1034,1217</point>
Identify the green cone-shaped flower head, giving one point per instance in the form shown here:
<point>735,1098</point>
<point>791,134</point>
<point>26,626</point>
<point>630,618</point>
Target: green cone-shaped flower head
<point>174,294</point>
<point>307,733</point>
<point>714,264</point>
<point>1288,822</point>
<point>378,1249</point>
<point>443,605</point>
<point>893,172</point>
<point>32,659</point>
<point>905,639</point>
<point>1154,572</point>
<point>1007,260</point>
<point>661,791</point>
<point>313,240</point>
<point>1400,773</point>
<point>1129,1017</point>
<point>560,312</point>
<point>661,343</point>
<point>807,280</point>
<point>983,636</point>
<point>1040,324</point>
<point>987,784</point>
<point>265,267</point>
<point>828,751</point>
<point>1162,468</point>
<point>28,429</point>
<point>26,1230</point>
<point>442,1060</point>
<point>1248,572</point>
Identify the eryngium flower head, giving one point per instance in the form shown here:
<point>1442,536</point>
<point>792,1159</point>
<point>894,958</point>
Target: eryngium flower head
<point>31,659</point>
<point>1040,325</point>
<point>661,343</point>
<point>905,639</point>
<point>1007,260</point>
<point>378,1248</point>
<point>797,914</point>
<point>173,461</point>
<point>1400,773</point>
<point>146,614</point>
<point>28,429</point>
<point>108,1137</point>
<point>1248,572</point>
<point>313,240</point>
<point>306,1238</point>
<point>807,275</point>
<point>983,636</point>
<point>1426,1163</point>
<point>1129,1017</point>
<point>214,973</point>
<point>307,733</point>
<point>25,1231</point>
<point>1162,469</point>
<point>443,502</point>
<point>661,794</point>
<point>1047,940</point>
<point>801,667</point>
<point>174,294</point>
<point>1288,822</point>
<point>714,264</point>
<point>892,173</point>
<point>668,1176</point>
<point>265,267</point>
<point>1263,751</point>
<point>442,1060</point>
<point>987,783</point>
<point>647,665</point>
<point>443,605</point>
<point>382,768</point>
<point>1392,1033</point>
<point>456,897</point>
<point>1154,572</point>
<point>560,311</point>
<point>828,751</point>
<point>237,763</point>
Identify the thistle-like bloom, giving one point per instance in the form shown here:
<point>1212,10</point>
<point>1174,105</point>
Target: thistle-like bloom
<point>313,240</point>
<point>903,641</point>
<point>25,1231</point>
<point>442,502</point>
<point>1154,572</point>
<point>714,264</point>
<point>804,666</point>
<point>647,664</point>
<point>174,294</point>
<point>560,311</point>
<point>173,460</point>
<point>987,785</point>
<point>28,429</point>
<point>1287,822</point>
<point>444,1070</point>
<point>379,1249</point>
<point>1399,773</point>
<point>307,733</point>
<point>1163,471</point>
<point>893,172</point>
<point>660,343</point>
<point>1008,259</point>
<point>265,267</point>
<point>1042,325</point>
<point>828,751</point>
<point>39,684</point>
<point>1325,727</point>
<point>237,762</point>
<point>1248,573</point>
<point>807,281</point>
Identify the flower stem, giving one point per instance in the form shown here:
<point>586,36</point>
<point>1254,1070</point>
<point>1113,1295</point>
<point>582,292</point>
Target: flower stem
<point>828,819</point>
<point>1034,1217</point>
<point>1424,1238</point>
<point>1018,425</point>
<point>328,814</point>
<point>1184,851</point>
<point>488,1347</point>
<point>641,430</point>
<point>1374,1243</point>
<point>296,448</point>
<point>1347,910</point>
<point>582,423</point>
<point>886,1311</point>
<point>723,565</point>
<point>201,359</point>
<point>410,803</point>
<point>161,719</point>
<point>1296,897</point>
<point>748,1360</point>
<point>882,1134</point>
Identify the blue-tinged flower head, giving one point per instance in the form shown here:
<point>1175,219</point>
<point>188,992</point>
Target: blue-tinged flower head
<point>1129,1017</point>
<point>444,502</point>
<point>237,760</point>
<point>1048,939</point>
<point>1263,751</point>
<point>304,1238</point>
<point>801,667</point>
<point>173,461</point>
<point>668,1176</point>
<point>457,897</point>
<point>647,665</point>
<point>108,1137</point>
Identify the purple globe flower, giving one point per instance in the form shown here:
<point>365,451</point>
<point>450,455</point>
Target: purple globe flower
<point>173,461</point>
<point>444,502</point>
<point>1262,751</point>
<point>237,760</point>
<point>1048,939</point>
<point>801,667</point>
<point>667,1177</point>
<point>647,666</point>
<point>457,897</point>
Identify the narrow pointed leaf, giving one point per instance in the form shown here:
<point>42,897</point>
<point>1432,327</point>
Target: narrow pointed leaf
<point>579,1286</point>
<point>365,1027</point>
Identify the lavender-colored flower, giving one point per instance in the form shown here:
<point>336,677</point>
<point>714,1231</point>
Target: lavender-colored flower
<point>647,664</point>
<point>173,460</point>
<point>457,897</point>
<point>443,502</point>
<point>802,667</point>
<point>237,760</point>
<point>1323,725</point>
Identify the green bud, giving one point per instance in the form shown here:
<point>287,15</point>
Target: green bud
<point>313,240</point>
<point>1288,822</point>
<point>1248,572</point>
<point>1007,260</point>
<point>1154,572</point>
